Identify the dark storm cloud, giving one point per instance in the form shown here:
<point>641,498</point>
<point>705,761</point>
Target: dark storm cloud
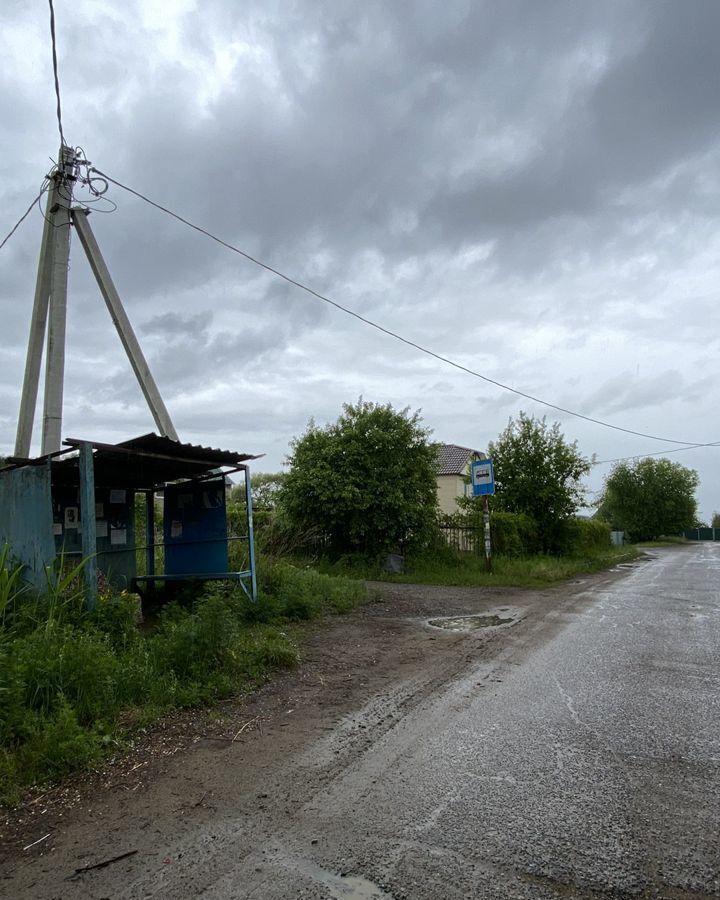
<point>530,187</point>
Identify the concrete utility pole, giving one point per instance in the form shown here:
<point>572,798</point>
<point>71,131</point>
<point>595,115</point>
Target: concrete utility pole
<point>50,311</point>
<point>50,292</point>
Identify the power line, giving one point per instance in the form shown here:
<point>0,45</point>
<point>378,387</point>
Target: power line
<point>22,218</point>
<point>55,71</point>
<point>603,462</point>
<point>387,331</point>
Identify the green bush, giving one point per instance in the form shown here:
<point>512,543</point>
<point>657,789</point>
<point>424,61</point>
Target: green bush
<point>583,536</point>
<point>513,534</point>
<point>68,676</point>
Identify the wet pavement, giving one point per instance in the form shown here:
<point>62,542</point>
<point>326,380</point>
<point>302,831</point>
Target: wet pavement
<point>589,768</point>
<point>578,756</point>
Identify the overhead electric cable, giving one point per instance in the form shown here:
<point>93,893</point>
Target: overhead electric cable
<point>55,70</point>
<point>387,331</point>
<point>603,462</point>
<point>22,218</point>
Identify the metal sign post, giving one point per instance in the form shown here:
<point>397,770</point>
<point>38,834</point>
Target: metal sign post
<point>482,478</point>
<point>486,523</point>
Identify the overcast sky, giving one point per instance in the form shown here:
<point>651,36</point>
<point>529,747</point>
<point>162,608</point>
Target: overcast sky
<point>531,188</point>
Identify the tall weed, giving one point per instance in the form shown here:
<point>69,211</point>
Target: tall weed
<point>71,680</point>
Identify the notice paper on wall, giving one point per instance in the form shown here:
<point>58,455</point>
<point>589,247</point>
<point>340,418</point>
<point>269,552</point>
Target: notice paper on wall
<point>117,495</point>
<point>71,517</point>
<point>118,536</point>
<point>99,510</point>
<point>101,528</point>
<point>57,527</point>
<point>176,528</point>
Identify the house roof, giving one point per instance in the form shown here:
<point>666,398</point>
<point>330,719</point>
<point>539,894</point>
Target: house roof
<point>453,459</point>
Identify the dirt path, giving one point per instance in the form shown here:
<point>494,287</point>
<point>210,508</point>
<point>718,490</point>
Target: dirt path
<point>258,759</point>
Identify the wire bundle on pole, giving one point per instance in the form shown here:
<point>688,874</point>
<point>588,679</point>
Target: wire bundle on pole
<point>55,71</point>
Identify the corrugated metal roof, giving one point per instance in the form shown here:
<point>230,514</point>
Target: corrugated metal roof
<point>153,443</point>
<point>149,461</point>
<point>453,459</point>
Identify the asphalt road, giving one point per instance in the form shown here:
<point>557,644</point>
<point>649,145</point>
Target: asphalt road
<point>590,767</point>
<point>582,759</point>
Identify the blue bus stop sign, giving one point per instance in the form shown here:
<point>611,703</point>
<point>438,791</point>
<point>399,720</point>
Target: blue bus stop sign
<point>482,477</point>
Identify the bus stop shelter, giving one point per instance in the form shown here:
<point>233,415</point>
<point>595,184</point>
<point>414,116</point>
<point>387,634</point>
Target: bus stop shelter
<point>81,502</point>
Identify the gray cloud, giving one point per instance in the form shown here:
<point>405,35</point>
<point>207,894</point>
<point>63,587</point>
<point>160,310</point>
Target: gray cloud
<point>529,188</point>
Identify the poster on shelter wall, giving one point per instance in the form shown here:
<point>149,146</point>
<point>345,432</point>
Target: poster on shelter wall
<point>57,528</point>
<point>117,495</point>
<point>176,528</point>
<point>72,519</point>
<point>118,536</point>
<point>99,510</point>
<point>101,528</point>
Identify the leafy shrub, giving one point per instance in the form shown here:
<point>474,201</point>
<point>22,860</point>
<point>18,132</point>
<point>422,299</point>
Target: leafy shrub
<point>351,481</point>
<point>69,677</point>
<point>513,534</point>
<point>582,536</point>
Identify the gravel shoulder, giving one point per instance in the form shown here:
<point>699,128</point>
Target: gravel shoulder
<point>256,760</point>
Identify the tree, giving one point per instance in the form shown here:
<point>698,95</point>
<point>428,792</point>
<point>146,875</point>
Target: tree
<point>650,497</point>
<point>367,482</point>
<point>537,472</point>
<point>265,489</point>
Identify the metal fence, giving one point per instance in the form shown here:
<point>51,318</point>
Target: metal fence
<point>468,538</point>
<point>702,534</point>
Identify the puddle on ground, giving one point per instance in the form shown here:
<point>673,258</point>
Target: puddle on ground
<point>339,887</point>
<point>469,623</point>
<point>353,887</point>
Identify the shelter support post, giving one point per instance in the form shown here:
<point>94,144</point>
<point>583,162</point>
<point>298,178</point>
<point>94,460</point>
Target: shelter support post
<point>150,533</point>
<point>87,521</point>
<point>251,536</point>
<point>123,326</point>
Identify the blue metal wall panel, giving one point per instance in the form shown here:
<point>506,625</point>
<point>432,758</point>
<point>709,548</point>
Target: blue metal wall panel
<point>195,525</point>
<point>26,520</point>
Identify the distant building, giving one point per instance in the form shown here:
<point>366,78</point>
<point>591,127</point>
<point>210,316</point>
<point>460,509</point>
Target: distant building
<point>454,474</point>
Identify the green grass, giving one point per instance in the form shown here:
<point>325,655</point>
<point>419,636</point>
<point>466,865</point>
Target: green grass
<point>72,682</point>
<point>447,567</point>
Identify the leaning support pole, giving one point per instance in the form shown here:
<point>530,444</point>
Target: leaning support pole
<point>55,360</point>
<point>123,326</point>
